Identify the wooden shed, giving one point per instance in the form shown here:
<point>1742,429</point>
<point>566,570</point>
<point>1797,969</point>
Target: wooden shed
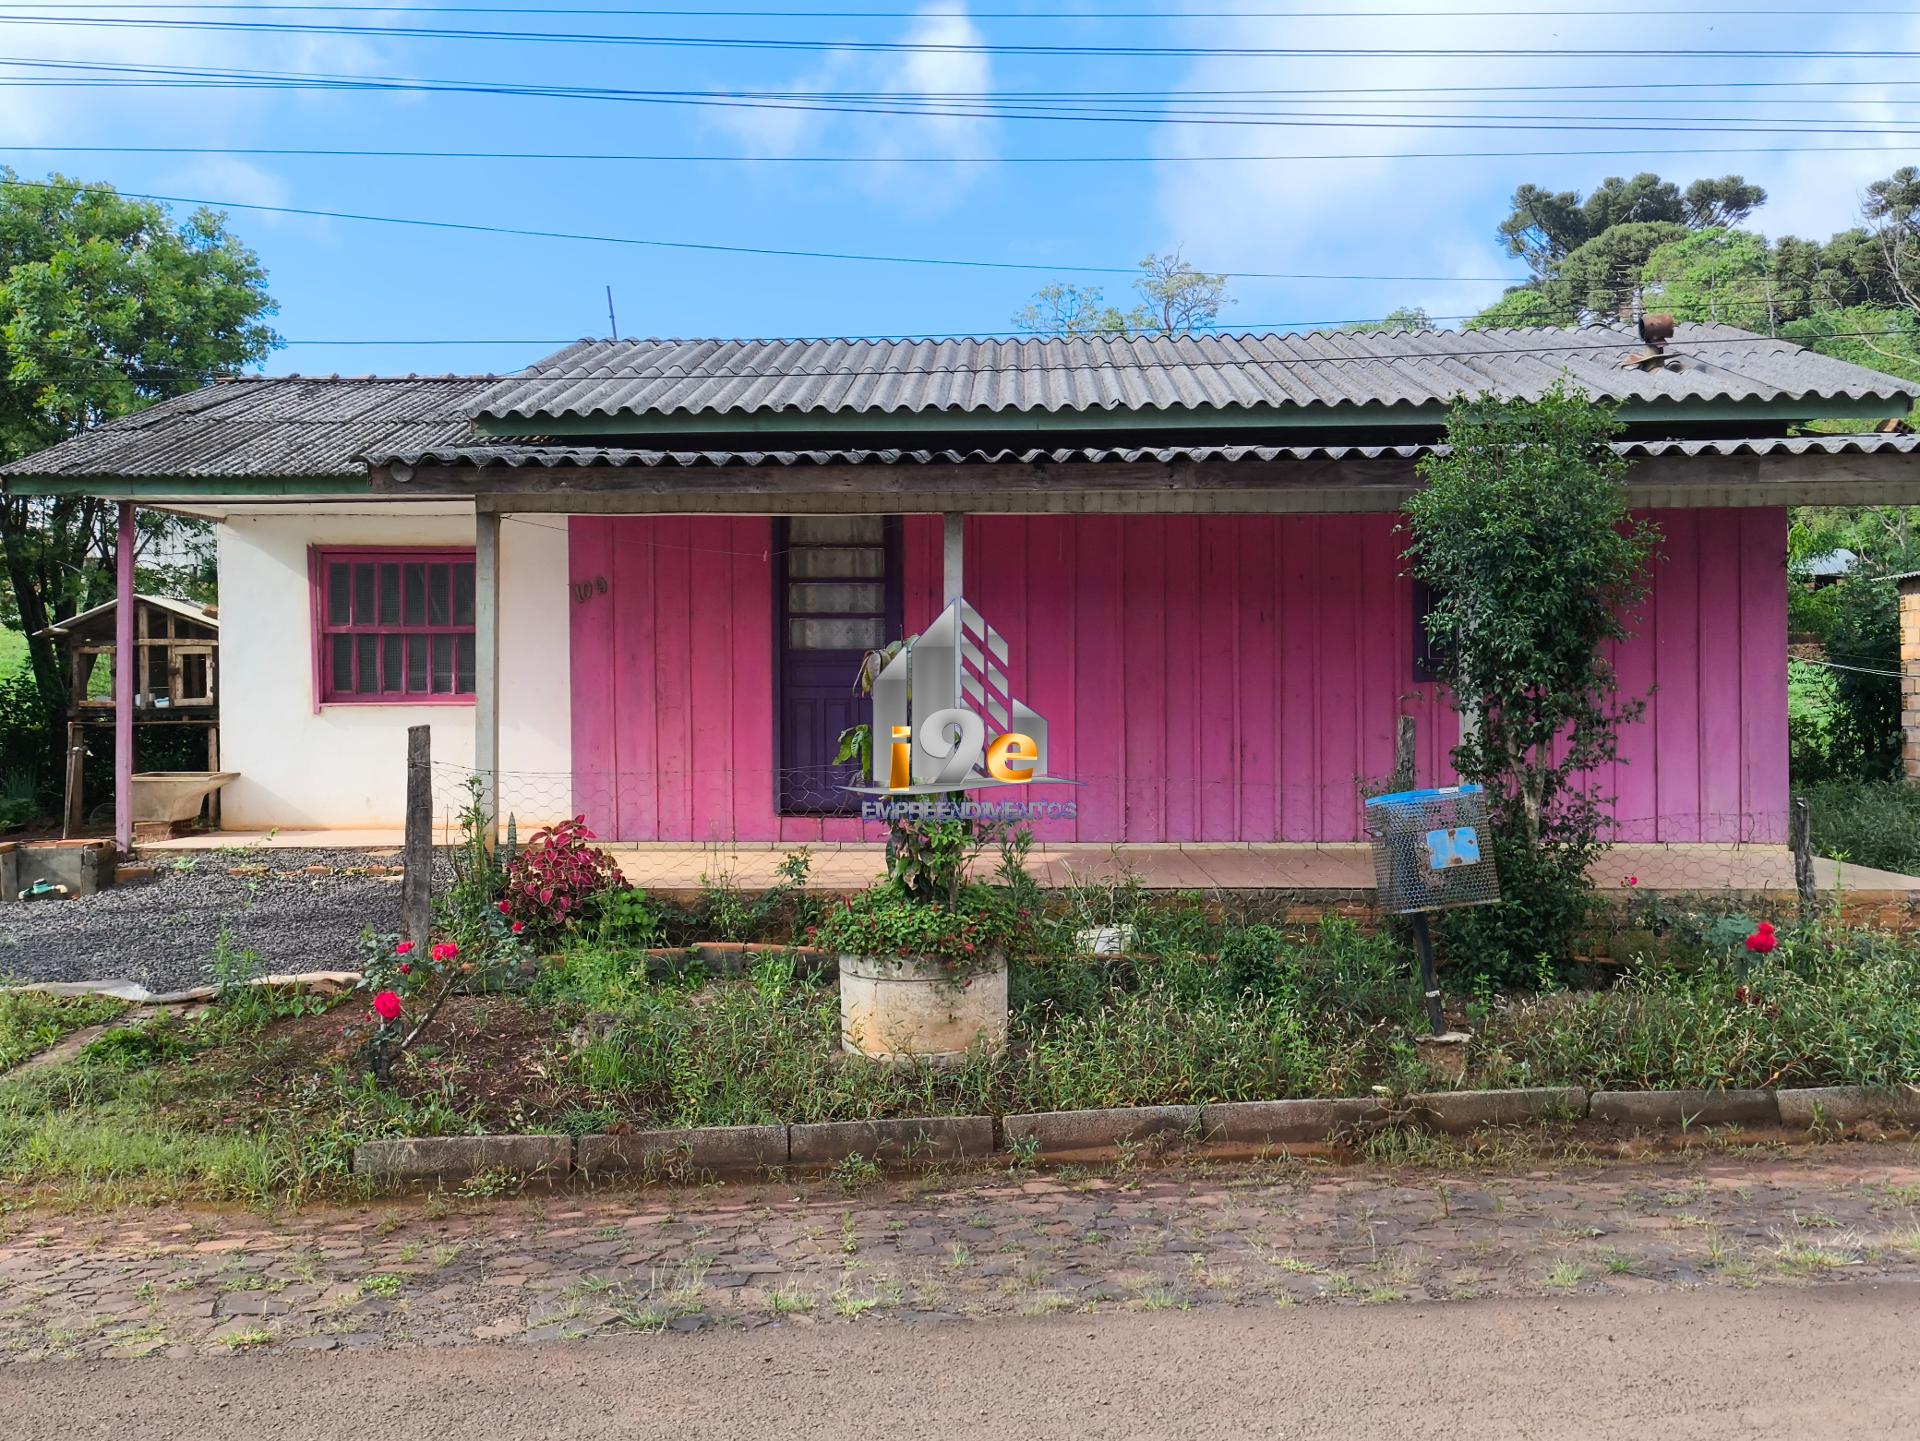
<point>175,678</point>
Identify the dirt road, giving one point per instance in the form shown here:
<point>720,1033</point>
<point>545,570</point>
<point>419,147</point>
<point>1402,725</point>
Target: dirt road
<point>1831,1362</point>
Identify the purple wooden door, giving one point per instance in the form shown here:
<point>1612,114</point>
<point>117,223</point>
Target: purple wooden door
<point>837,595</point>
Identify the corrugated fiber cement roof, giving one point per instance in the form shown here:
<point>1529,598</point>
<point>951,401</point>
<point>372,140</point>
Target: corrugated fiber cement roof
<point>1325,368</point>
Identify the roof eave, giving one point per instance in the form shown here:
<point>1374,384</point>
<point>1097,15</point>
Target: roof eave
<point>1429,415</point>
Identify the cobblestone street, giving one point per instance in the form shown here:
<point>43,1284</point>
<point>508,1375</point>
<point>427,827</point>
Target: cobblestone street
<point>557,1267</point>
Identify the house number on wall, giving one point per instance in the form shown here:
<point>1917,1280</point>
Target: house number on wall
<point>586,590</point>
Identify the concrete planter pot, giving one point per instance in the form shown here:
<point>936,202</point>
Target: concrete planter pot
<point>905,1009</point>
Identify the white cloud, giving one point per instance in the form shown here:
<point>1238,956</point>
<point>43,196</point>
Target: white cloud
<point>1436,217</point>
<point>228,178</point>
<point>931,189</point>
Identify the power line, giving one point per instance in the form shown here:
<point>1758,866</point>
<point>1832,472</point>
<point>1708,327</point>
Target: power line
<point>1120,362</point>
<point>1252,327</point>
<point>165,77</point>
<point>642,157</point>
<point>651,158</point>
<point>1055,15</point>
<point>1856,669</point>
<point>1054,106</point>
<point>942,47</point>
<point>714,247</point>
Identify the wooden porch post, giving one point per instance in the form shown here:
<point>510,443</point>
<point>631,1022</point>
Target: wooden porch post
<point>1910,675</point>
<point>126,659</point>
<point>486,661</point>
<point>953,528</point>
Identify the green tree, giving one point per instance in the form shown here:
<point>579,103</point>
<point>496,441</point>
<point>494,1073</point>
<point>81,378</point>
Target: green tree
<point>1522,530</point>
<point>106,306</point>
<point>1879,338</point>
<point>1603,275</point>
<point>1543,227</point>
<point>1586,254</point>
<point>1524,306</point>
<point>1715,275</point>
<point>1175,299</point>
<point>1892,207</point>
<point>1407,317</point>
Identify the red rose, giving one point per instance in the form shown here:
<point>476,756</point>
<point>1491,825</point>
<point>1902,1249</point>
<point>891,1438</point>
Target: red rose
<point>519,926</point>
<point>406,970</point>
<point>503,908</point>
<point>1761,941</point>
<point>386,1006</point>
<point>403,948</point>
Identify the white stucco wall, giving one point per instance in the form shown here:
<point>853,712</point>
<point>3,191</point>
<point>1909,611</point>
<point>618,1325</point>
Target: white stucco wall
<point>343,766</point>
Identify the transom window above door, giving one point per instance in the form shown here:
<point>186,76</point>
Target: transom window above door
<point>393,626</point>
<point>839,597</point>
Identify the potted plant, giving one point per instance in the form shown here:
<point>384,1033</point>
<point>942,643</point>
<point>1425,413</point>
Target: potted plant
<point>923,954</point>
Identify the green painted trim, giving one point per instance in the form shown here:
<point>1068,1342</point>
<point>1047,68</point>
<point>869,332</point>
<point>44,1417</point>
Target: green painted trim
<point>195,487</point>
<point>825,426</point>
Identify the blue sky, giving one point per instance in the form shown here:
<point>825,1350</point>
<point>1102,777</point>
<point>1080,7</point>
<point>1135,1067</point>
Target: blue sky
<point>1375,217</point>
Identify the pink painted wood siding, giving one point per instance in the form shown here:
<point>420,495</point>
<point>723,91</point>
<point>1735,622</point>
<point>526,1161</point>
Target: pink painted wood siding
<point>1205,678</point>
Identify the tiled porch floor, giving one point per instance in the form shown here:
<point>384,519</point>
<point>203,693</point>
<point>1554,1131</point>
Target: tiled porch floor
<point>1168,867</point>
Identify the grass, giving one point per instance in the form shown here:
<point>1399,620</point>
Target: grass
<point>258,1104</point>
<point>789,1302</point>
<point>30,1021</point>
<point>1870,823</point>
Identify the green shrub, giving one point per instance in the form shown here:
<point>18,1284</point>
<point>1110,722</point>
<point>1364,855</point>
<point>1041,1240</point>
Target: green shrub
<point>1823,1010</point>
<point>1537,566</point>
<point>1871,823</point>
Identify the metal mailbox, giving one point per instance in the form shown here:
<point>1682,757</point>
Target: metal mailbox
<point>1431,850</point>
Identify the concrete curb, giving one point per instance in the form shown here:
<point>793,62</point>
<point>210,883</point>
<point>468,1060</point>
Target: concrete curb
<point>1264,1123</point>
<point>932,1138</point>
<point>708,1148</point>
<point>1053,1132</point>
<point>1839,1106</point>
<point>449,1158</point>
<point>1685,1109</point>
<point>1458,1112</point>
<point>740,1150</point>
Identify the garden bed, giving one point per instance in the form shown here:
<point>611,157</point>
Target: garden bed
<point>266,1096</point>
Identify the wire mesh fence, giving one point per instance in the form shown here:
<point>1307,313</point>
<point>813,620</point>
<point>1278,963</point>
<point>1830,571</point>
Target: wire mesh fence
<point>678,830</point>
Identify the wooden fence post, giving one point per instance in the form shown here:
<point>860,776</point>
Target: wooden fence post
<point>1403,754</point>
<point>1801,832</point>
<point>416,886</point>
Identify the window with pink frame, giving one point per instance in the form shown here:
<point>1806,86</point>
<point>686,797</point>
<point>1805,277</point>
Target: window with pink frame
<point>393,626</point>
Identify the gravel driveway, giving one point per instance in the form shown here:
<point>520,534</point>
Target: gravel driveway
<point>161,933</point>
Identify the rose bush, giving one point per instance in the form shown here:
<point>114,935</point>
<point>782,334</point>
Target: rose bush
<point>408,992</point>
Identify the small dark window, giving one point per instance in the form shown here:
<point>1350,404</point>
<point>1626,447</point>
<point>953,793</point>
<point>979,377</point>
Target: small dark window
<point>1428,654</point>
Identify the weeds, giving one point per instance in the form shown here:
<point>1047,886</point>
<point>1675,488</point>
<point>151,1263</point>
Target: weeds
<point>30,1021</point>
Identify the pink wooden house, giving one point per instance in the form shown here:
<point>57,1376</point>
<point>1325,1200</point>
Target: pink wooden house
<point>636,580</point>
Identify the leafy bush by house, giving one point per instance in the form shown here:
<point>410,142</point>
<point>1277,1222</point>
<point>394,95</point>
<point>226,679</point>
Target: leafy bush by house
<point>557,876</point>
<point>1537,567</point>
<point>1871,823</point>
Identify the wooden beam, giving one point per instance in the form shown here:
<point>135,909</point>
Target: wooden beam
<point>486,663</point>
<point>953,551</point>
<point>126,657</point>
<point>416,880</point>
<point>1174,488</point>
